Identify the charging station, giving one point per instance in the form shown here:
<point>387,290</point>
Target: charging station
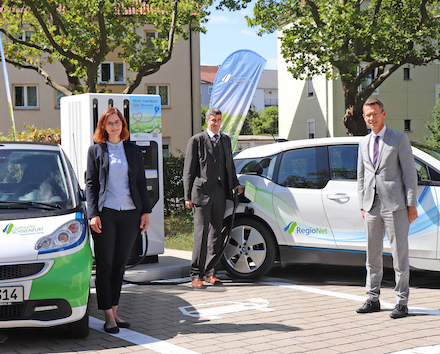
<point>79,118</point>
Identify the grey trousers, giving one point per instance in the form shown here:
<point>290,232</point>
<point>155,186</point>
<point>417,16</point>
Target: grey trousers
<point>396,223</point>
<point>208,222</point>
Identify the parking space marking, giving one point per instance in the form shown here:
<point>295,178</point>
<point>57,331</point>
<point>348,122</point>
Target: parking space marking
<point>140,339</point>
<point>213,310</point>
<point>277,282</point>
<point>432,349</point>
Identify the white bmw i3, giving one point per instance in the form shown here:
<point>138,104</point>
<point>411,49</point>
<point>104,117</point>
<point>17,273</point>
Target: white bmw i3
<point>301,206</point>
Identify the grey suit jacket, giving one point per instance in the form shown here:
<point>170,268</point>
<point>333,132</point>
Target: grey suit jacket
<point>97,173</point>
<point>394,177</point>
<point>198,170</point>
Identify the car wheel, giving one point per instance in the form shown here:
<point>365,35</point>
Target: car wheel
<point>79,329</point>
<point>251,250</point>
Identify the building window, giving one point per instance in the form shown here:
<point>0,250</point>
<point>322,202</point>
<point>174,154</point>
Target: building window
<point>162,91</point>
<point>209,90</point>
<point>407,125</point>
<point>25,97</point>
<point>311,128</point>
<point>25,35</point>
<point>58,96</point>
<point>166,147</point>
<point>269,102</point>
<point>368,79</point>
<point>310,88</point>
<point>406,73</point>
<point>149,37</point>
<point>111,73</point>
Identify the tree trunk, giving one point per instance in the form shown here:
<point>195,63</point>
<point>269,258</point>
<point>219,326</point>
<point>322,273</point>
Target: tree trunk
<point>354,122</point>
<point>353,119</point>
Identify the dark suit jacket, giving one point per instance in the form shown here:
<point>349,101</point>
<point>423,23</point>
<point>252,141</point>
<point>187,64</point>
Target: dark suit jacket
<point>97,173</point>
<point>198,171</point>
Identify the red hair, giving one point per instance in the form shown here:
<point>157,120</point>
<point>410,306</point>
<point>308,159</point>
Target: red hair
<point>101,135</point>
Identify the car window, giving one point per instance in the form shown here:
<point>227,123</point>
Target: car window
<point>305,168</point>
<point>422,171</point>
<point>263,166</point>
<point>343,161</point>
<point>33,176</point>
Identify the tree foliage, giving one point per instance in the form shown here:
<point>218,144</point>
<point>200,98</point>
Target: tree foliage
<point>43,135</point>
<point>434,127</point>
<point>361,40</point>
<point>79,34</point>
<point>266,122</point>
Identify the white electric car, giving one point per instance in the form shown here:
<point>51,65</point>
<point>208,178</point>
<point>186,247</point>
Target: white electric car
<point>45,255</point>
<point>301,206</point>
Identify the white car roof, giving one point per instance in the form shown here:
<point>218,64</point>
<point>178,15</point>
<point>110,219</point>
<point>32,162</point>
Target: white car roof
<point>272,149</point>
<point>27,145</point>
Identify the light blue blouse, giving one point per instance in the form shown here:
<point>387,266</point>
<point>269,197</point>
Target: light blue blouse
<point>118,191</point>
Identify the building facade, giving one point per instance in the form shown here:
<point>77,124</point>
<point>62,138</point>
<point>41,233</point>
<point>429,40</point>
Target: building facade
<point>266,94</point>
<point>315,108</point>
<point>177,82</point>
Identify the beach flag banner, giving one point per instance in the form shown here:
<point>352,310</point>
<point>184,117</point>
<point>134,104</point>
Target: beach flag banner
<point>233,89</point>
<point>8,92</point>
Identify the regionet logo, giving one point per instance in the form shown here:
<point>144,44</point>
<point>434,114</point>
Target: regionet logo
<point>293,226</point>
<point>22,230</point>
<point>237,80</point>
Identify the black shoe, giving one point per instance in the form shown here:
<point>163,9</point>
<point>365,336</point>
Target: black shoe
<point>369,306</point>
<point>112,330</point>
<point>399,311</point>
<point>123,324</point>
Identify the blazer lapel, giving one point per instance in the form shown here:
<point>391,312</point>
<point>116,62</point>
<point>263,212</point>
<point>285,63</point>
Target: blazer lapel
<point>208,143</point>
<point>104,152</point>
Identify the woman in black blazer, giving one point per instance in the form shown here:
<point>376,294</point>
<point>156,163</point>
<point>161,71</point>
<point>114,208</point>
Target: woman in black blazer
<point>118,208</point>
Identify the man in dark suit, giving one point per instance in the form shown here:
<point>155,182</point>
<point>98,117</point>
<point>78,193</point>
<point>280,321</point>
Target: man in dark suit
<point>208,180</point>
<point>387,182</point>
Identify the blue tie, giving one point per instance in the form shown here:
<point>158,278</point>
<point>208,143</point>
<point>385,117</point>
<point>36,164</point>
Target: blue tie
<point>376,150</point>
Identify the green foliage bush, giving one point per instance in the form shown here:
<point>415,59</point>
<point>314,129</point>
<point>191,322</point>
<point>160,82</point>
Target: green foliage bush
<point>174,201</point>
<point>434,127</point>
<point>44,135</point>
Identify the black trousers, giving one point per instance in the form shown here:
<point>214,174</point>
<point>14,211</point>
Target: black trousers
<point>208,223</point>
<point>112,249</point>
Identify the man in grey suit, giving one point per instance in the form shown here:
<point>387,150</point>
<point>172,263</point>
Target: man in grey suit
<point>387,182</point>
<point>208,179</point>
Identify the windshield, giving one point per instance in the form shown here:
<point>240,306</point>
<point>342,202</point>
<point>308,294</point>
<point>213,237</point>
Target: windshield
<point>427,149</point>
<point>33,179</point>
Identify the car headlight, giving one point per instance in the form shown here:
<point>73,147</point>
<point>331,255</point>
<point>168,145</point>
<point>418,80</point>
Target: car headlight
<point>65,236</point>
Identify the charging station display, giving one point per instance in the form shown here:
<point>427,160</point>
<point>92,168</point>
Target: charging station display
<point>79,118</point>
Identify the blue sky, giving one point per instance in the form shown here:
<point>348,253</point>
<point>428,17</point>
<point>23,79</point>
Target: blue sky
<point>228,31</point>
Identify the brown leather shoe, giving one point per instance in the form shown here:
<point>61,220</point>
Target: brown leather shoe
<point>197,284</point>
<point>213,280</point>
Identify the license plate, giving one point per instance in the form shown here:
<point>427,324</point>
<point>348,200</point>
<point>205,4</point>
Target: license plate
<point>11,294</point>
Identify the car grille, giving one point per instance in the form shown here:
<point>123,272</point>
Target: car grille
<point>16,271</point>
<point>40,310</point>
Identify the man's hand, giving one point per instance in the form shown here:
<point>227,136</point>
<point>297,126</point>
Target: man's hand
<point>412,214</point>
<point>189,204</point>
<point>239,190</point>
<point>363,213</point>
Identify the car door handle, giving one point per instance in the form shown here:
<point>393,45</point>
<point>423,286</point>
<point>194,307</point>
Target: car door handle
<point>338,196</point>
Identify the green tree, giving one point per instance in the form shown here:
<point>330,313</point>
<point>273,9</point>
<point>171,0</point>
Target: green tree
<point>203,116</point>
<point>434,127</point>
<point>79,34</point>
<point>248,124</point>
<point>267,122</point>
<point>362,42</point>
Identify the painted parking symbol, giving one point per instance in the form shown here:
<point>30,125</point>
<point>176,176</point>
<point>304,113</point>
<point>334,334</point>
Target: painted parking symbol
<point>213,310</point>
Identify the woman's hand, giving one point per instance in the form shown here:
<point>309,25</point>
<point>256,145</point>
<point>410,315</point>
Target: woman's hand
<point>95,224</point>
<point>145,222</point>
